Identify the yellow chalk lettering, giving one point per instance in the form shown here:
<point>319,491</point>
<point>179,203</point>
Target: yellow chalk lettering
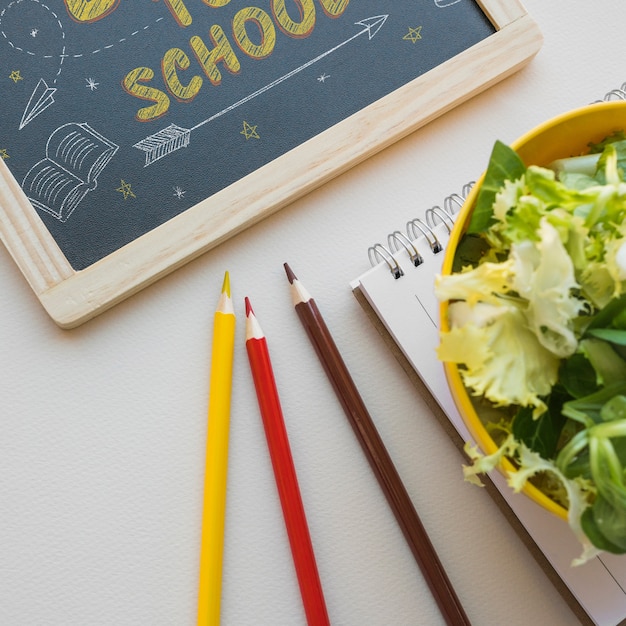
<point>222,52</point>
<point>334,8</point>
<point>299,29</point>
<point>264,23</point>
<point>131,85</point>
<point>175,59</point>
<point>90,10</point>
<point>179,11</point>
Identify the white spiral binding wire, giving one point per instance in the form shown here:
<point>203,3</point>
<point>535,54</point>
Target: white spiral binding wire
<point>417,226</point>
<point>380,254</point>
<point>418,229</point>
<point>398,237</point>
<point>614,94</point>
<point>437,213</point>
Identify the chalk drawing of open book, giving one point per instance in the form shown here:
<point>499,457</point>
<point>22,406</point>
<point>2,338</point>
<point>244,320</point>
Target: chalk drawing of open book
<point>75,156</point>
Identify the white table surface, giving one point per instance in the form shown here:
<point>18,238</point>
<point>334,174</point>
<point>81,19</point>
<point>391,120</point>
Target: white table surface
<point>103,427</point>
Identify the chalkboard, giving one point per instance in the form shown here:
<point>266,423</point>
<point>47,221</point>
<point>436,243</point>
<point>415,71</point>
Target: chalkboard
<point>136,135</point>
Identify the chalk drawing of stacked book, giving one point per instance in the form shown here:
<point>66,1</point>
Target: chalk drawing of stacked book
<point>75,156</point>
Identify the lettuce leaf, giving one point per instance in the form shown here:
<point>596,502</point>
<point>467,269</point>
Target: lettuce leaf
<point>503,360</point>
<point>504,164</point>
<point>544,276</point>
<point>537,312</point>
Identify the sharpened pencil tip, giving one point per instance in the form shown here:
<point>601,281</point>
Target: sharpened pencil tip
<point>225,303</point>
<point>298,293</point>
<point>290,275</point>
<point>226,285</point>
<point>253,328</point>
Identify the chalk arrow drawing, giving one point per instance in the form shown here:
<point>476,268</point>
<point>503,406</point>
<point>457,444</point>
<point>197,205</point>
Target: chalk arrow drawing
<point>171,138</point>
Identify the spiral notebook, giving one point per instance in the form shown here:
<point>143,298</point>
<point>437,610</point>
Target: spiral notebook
<point>398,294</point>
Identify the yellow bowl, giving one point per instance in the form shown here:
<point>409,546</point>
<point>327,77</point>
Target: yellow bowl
<point>562,136</point>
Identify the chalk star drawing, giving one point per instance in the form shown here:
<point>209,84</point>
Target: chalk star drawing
<point>4,155</point>
<point>39,103</point>
<point>414,34</point>
<point>15,76</point>
<point>249,132</point>
<point>42,96</point>
<point>91,84</point>
<point>323,77</point>
<point>174,137</point>
<point>179,192</point>
<point>125,189</point>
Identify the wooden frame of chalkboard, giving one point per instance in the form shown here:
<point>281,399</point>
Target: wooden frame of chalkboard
<point>73,291</point>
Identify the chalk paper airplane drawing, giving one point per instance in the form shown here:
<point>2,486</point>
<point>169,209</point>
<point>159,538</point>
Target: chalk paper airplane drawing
<point>171,138</point>
<point>41,98</point>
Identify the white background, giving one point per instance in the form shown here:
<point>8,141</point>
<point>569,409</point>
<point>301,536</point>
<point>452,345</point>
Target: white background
<point>102,428</point>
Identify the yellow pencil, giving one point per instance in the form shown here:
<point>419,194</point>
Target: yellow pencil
<point>214,507</point>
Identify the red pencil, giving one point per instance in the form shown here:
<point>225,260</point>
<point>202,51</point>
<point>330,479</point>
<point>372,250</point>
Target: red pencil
<point>284,472</point>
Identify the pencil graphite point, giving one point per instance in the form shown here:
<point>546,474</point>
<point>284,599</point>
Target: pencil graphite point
<point>226,285</point>
<point>298,293</point>
<point>225,304</point>
<point>290,275</point>
<point>253,328</point>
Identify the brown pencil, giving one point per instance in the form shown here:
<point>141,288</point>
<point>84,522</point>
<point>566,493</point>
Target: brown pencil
<point>377,454</point>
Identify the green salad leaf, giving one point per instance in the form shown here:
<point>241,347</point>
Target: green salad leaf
<point>537,317</point>
<point>598,148</point>
<point>578,376</point>
<point>504,164</point>
<point>542,434</point>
